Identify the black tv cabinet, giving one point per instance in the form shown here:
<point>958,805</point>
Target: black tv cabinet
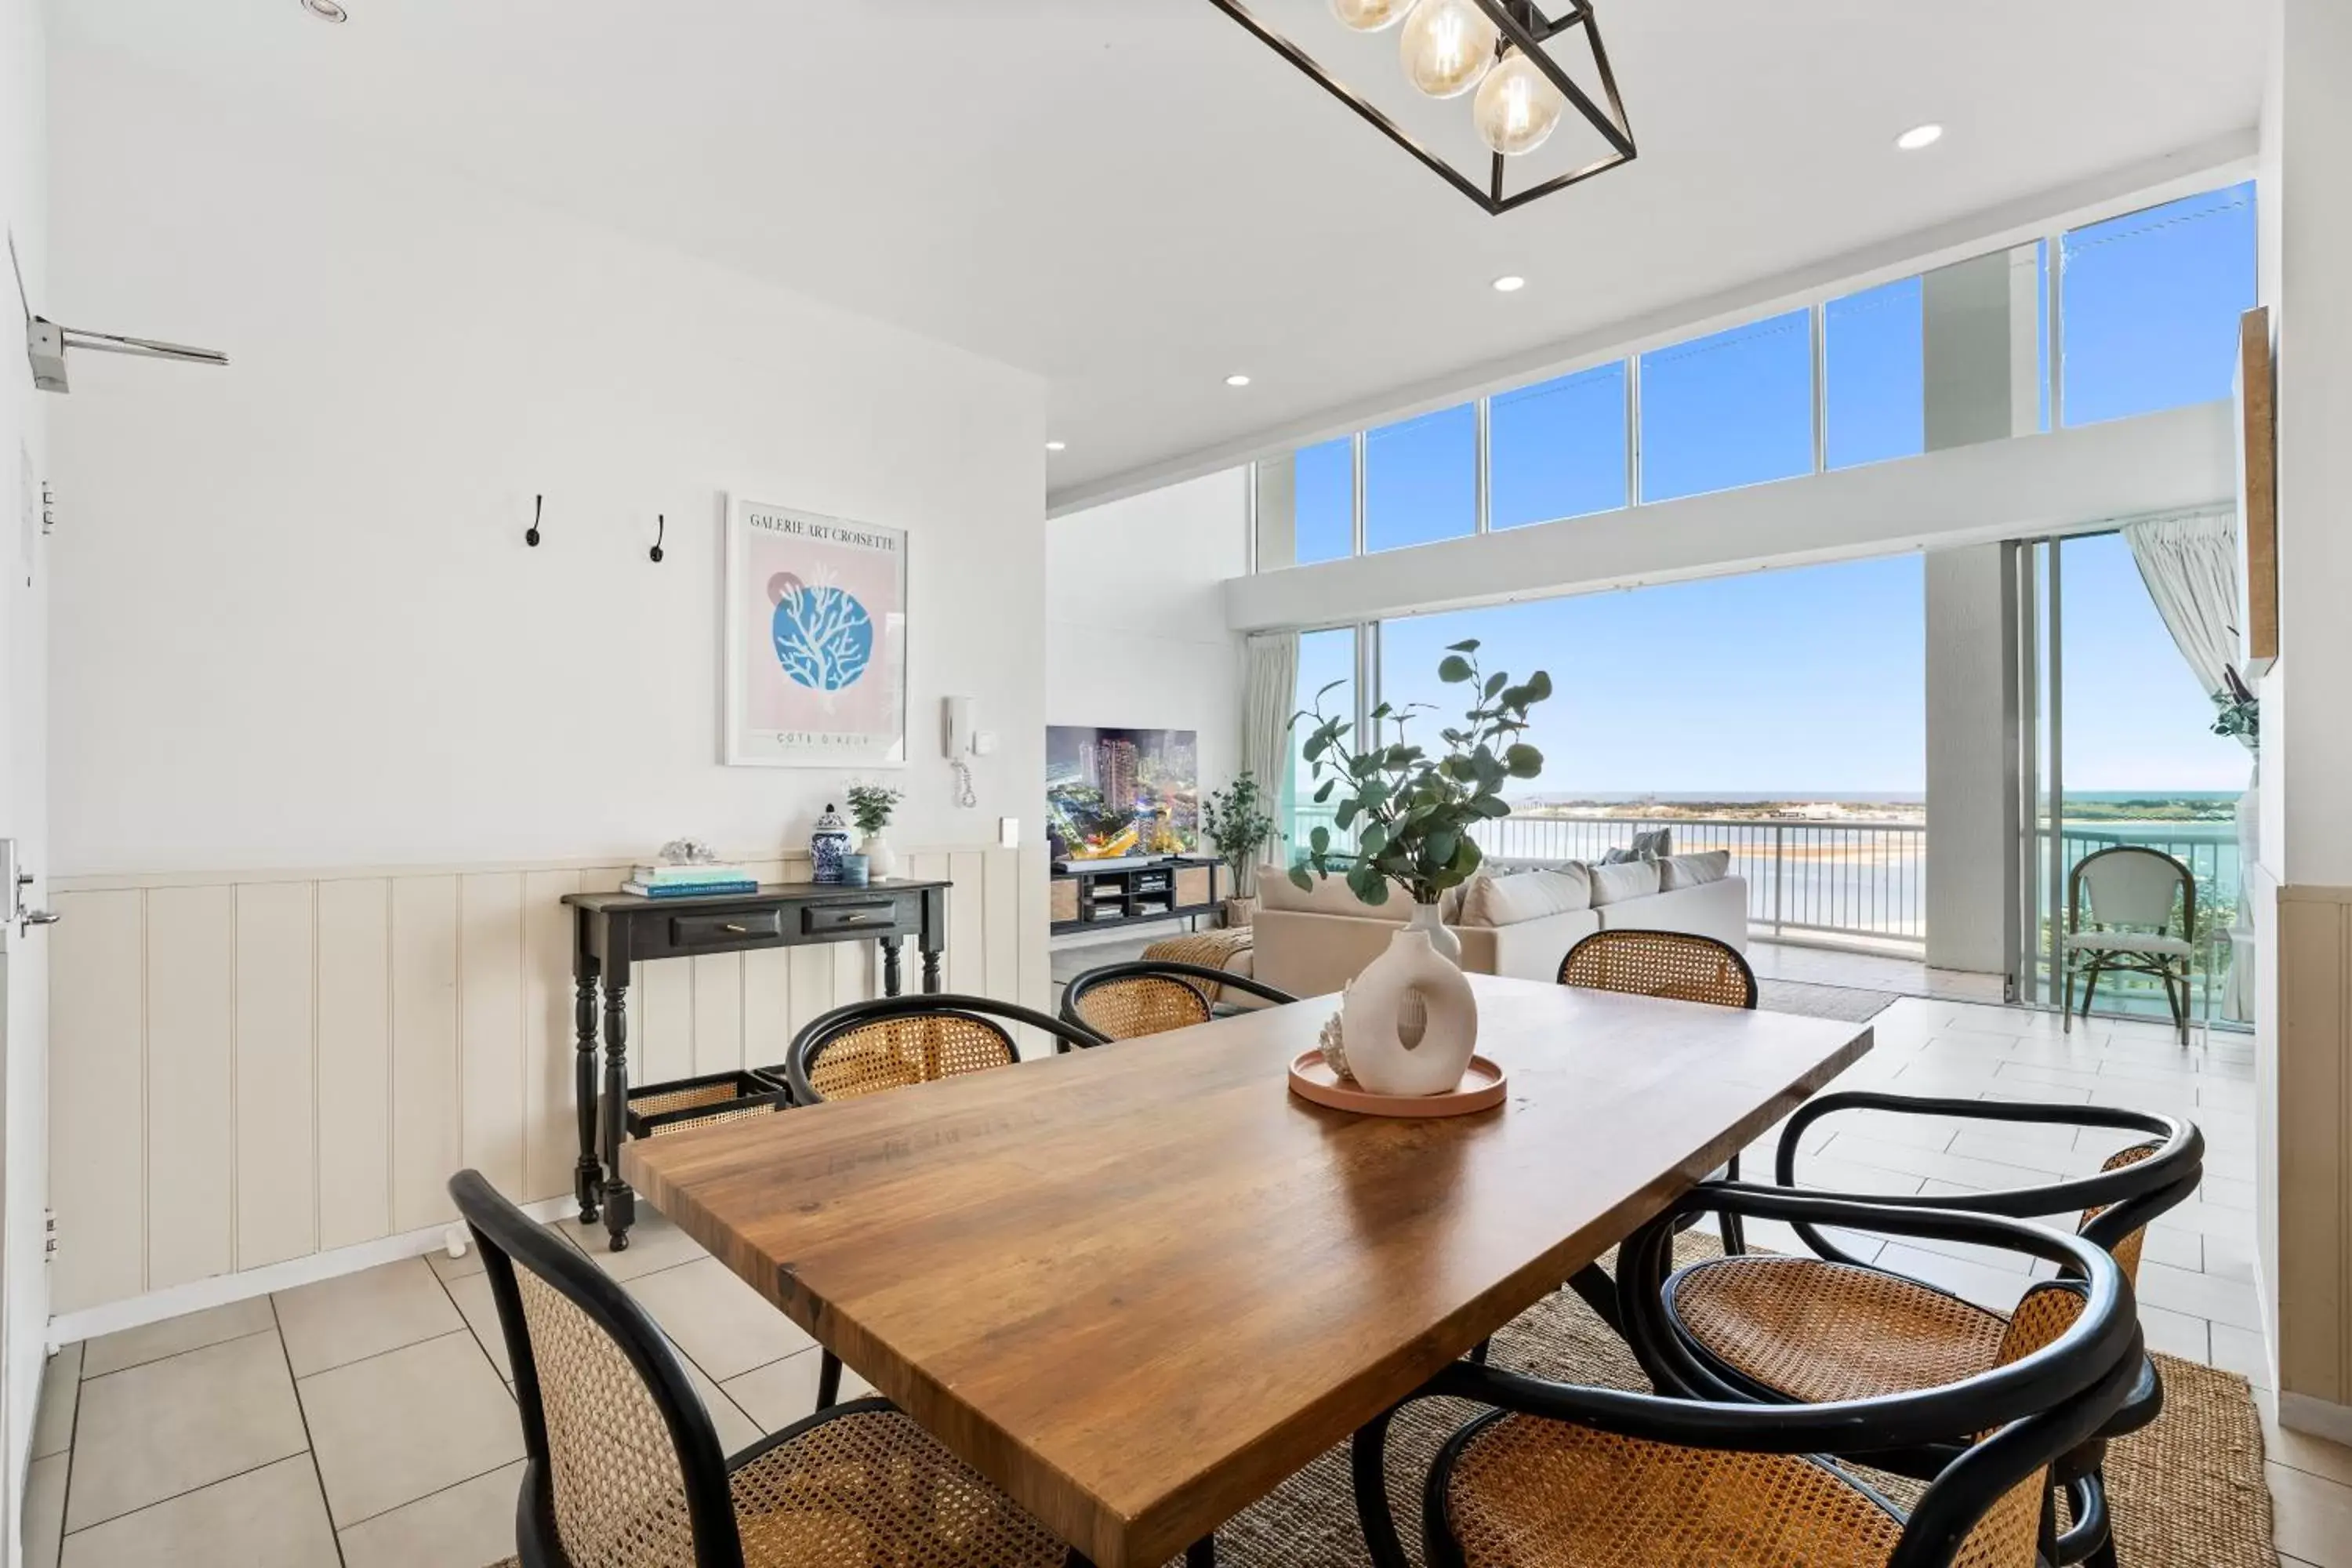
<point>1176,888</point>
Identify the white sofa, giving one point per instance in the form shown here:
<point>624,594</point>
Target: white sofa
<point>1313,942</point>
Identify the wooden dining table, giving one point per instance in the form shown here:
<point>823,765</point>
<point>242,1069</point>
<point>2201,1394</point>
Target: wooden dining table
<point>1139,1286</point>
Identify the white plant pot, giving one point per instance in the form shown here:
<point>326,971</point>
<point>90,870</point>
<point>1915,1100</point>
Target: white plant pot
<point>881,860</point>
<point>1409,1022</point>
<point>1447,943</point>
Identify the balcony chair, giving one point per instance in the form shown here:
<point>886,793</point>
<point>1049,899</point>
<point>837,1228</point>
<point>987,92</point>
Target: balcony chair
<point>625,1469</point>
<point>2127,892</point>
<point>1678,966</point>
<point>1152,996</point>
<point>1794,1330</point>
<point>1558,1474</point>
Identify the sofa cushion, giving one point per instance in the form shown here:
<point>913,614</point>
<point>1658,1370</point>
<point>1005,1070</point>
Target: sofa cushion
<point>1693,870</point>
<point>1330,896</point>
<point>1627,879</point>
<point>1490,900</point>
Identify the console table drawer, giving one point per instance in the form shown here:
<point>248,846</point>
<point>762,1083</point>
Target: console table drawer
<point>865,914</point>
<point>721,930</point>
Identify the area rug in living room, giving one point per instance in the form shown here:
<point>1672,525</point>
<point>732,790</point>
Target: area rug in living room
<point>1849,1004</point>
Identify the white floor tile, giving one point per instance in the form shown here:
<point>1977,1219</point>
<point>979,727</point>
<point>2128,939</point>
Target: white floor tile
<point>268,1517</point>
<point>2242,1351</point>
<point>2311,1517</point>
<point>471,1292</point>
<point>727,1327</point>
<point>655,1244</point>
<point>136,1347</point>
<point>44,1510</point>
<point>349,1319</point>
<point>402,1425</point>
<point>53,1423</point>
<point>172,1425</point>
<point>468,1525</point>
<point>2176,1334</point>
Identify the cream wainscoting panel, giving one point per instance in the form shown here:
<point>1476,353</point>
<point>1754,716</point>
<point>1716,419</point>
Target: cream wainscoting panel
<point>2313,1306</point>
<point>250,1067</point>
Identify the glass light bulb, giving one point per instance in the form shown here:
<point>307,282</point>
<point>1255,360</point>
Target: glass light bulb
<point>1447,44</point>
<point>1518,107</point>
<point>1370,15</point>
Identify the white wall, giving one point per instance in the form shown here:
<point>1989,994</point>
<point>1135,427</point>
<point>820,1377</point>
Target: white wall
<point>1135,617</point>
<point>296,621</point>
<point>1970,786</point>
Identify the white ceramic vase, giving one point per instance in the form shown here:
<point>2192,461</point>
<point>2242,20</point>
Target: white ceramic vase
<point>881,860</point>
<point>1409,1021</point>
<point>1447,943</point>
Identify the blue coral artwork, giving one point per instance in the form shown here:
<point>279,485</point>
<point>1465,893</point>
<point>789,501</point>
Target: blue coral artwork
<point>816,638</point>
<point>824,637</point>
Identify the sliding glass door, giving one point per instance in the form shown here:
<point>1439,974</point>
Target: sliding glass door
<point>2116,747</point>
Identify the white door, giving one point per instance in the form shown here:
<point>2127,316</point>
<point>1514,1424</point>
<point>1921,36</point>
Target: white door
<point>24,951</point>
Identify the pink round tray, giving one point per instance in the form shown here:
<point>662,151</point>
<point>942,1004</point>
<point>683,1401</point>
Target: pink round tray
<point>1482,1087</point>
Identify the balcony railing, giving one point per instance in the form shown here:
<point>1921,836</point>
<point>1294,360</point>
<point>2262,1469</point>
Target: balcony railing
<point>1865,880</point>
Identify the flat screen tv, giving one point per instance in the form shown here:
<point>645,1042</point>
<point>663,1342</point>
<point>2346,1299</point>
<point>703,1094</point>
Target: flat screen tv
<point>1114,793</point>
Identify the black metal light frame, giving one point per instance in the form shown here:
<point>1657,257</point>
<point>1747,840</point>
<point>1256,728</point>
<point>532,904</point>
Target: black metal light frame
<point>1523,25</point>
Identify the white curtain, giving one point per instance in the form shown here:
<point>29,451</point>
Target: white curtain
<point>1269,696</point>
<point>2191,566</point>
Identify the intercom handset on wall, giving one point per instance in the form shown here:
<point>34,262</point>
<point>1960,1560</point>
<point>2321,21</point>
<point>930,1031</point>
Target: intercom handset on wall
<point>964,740</point>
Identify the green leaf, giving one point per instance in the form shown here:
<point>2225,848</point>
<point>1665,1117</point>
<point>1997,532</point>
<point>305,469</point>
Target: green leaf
<point>1491,806</point>
<point>1324,794</point>
<point>1346,816</point>
<point>1454,669</point>
<point>1374,839</point>
<point>1320,839</point>
<point>1495,682</point>
<point>1437,849</point>
<point>1523,760</point>
<point>1316,744</point>
<point>1539,687</point>
<point>1300,879</point>
<point>1467,645</point>
<point>1368,884</point>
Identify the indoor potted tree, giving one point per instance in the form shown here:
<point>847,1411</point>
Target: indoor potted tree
<point>1237,825</point>
<point>870,805</point>
<point>1408,1021</point>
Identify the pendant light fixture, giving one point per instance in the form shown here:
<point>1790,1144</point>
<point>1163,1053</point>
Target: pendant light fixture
<point>1509,62</point>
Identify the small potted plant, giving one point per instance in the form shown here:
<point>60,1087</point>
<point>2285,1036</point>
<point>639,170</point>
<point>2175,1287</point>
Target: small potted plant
<point>871,805</point>
<point>1236,823</point>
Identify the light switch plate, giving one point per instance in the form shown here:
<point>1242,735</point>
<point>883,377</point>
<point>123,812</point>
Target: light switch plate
<point>1008,832</point>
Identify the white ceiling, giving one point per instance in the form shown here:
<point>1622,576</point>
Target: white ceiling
<point>1135,197</point>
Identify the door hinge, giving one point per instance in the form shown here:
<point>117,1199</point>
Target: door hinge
<point>48,1236</point>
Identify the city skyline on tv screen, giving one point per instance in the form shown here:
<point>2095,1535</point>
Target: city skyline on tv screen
<point>1113,792</point>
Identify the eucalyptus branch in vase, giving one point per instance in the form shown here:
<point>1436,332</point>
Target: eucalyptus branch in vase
<point>1411,811</point>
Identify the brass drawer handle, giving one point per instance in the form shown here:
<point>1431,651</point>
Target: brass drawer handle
<point>733,930</point>
<point>852,919</point>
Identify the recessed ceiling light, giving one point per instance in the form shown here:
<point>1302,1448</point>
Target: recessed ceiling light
<point>1509,284</point>
<point>1236,381</point>
<point>326,10</point>
<point>1057,446</point>
<point>1919,136</point>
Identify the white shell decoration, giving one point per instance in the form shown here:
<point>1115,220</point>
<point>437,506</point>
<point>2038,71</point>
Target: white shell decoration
<point>1334,1047</point>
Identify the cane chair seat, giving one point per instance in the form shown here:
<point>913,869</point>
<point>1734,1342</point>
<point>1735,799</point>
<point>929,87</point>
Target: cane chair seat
<point>1819,1332</point>
<point>892,1053</point>
<point>1816,1330</point>
<point>1531,1493</point>
<point>870,1485</point>
<point>1525,1492</point>
<point>1140,1005</point>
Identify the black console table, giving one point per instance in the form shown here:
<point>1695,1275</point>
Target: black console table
<point>613,930</point>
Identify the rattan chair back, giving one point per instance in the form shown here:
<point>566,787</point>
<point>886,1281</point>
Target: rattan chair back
<point>2132,887</point>
<point>1677,965</point>
<point>868,1048</point>
<point>2127,1248</point>
<point>625,1470</point>
<point>1152,996</point>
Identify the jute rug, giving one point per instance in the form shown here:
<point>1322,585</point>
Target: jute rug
<point>2188,1493</point>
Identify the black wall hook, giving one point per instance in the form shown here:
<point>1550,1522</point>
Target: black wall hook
<point>661,530</point>
<point>531,534</point>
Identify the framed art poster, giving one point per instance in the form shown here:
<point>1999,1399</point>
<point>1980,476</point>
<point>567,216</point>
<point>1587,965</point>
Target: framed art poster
<point>815,654</point>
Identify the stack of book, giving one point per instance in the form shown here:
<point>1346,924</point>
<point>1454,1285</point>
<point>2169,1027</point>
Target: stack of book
<point>689,881</point>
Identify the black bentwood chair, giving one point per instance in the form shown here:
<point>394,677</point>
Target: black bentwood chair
<point>1800,1330</point>
<point>625,1469</point>
<point>1559,1474</point>
<point>1150,996</point>
<point>1681,967</point>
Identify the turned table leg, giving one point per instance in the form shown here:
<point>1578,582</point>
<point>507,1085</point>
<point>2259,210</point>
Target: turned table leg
<point>589,1174</point>
<point>620,1202</point>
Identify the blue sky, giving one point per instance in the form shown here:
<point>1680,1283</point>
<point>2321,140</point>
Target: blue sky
<point>1807,680</point>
